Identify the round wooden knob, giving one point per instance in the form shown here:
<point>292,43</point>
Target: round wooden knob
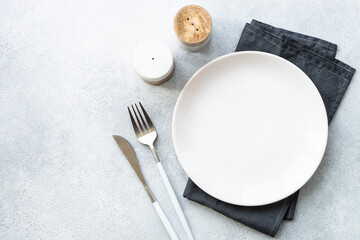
<point>192,26</point>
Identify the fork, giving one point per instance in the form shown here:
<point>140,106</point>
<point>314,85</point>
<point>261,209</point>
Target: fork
<point>146,134</point>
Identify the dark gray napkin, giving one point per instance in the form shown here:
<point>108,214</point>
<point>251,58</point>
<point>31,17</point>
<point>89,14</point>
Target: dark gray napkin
<point>316,58</point>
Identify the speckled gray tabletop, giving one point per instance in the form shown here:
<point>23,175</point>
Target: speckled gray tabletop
<point>66,76</point>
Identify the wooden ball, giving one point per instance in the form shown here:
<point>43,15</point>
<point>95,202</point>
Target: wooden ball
<point>192,26</point>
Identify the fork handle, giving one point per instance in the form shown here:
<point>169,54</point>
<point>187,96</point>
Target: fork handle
<point>165,221</point>
<point>175,201</point>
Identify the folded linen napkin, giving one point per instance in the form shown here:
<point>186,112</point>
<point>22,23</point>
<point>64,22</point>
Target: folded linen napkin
<point>316,58</point>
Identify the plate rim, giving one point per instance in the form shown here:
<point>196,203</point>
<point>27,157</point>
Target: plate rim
<point>203,68</point>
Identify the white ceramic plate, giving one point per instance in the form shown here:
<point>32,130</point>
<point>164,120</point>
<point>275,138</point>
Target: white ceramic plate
<point>250,128</point>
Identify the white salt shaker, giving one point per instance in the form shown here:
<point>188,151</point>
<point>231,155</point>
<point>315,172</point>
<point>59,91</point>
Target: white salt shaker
<point>153,61</point>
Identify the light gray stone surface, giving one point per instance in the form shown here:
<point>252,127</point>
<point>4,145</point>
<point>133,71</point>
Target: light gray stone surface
<point>66,76</point>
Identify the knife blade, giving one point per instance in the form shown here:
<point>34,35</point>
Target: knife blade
<point>129,153</point>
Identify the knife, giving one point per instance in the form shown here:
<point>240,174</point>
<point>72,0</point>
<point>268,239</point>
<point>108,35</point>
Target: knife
<point>129,153</point>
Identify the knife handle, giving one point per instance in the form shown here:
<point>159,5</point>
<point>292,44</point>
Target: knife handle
<point>170,230</point>
<point>175,202</point>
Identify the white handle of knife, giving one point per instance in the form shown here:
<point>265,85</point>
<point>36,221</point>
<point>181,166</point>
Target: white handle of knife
<point>170,230</point>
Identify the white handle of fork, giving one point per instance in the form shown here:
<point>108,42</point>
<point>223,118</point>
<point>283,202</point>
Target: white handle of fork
<point>175,201</point>
<point>170,230</point>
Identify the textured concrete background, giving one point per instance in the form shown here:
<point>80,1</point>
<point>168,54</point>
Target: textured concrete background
<point>65,78</point>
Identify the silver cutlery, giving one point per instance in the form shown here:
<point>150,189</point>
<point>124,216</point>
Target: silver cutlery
<point>146,134</point>
<point>129,153</point>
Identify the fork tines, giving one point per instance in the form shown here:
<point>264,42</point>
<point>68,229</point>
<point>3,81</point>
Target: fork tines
<point>140,125</point>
